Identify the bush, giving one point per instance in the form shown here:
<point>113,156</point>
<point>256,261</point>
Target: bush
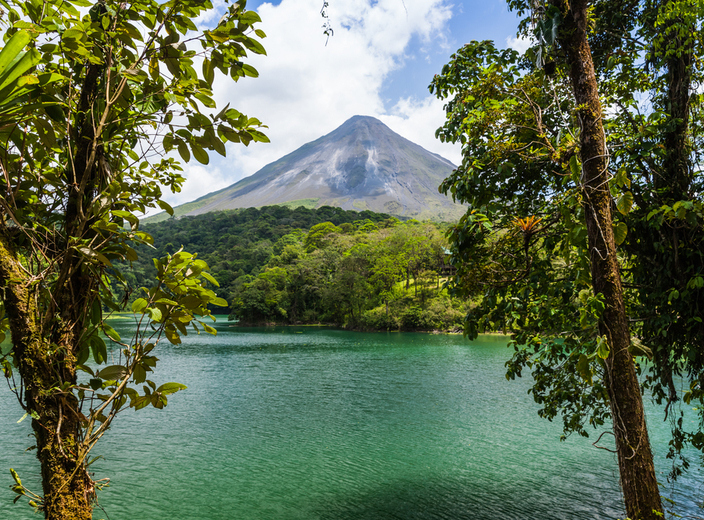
<point>440,314</point>
<point>416,318</point>
<point>446,315</point>
<point>310,316</point>
<point>377,319</point>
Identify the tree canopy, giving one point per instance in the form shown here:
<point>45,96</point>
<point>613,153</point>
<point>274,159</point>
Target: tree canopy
<point>582,170</point>
<point>234,244</point>
<point>95,100</point>
<point>358,277</point>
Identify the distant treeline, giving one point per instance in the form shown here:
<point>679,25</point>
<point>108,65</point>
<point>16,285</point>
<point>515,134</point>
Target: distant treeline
<point>327,265</point>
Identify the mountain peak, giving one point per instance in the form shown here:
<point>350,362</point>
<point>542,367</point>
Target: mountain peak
<point>362,125</point>
<point>361,165</point>
<point>363,121</point>
<point>357,119</point>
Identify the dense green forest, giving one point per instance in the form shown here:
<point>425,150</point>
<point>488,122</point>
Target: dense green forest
<point>361,270</point>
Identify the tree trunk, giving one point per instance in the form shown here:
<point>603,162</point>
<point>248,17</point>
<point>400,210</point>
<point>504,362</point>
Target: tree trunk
<point>67,487</point>
<point>46,340</point>
<point>677,178</point>
<point>638,481</point>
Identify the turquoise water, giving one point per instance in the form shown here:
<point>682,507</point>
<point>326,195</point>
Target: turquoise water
<point>321,424</point>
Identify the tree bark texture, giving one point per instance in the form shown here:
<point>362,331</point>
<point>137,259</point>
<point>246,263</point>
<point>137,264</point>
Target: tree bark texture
<point>46,340</point>
<point>637,473</point>
<point>672,183</point>
<point>43,366</point>
<point>677,178</point>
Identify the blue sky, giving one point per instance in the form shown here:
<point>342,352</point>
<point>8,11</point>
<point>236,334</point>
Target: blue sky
<point>379,63</point>
<point>489,20</point>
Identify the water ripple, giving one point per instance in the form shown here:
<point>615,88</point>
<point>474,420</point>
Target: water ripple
<point>318,424</point>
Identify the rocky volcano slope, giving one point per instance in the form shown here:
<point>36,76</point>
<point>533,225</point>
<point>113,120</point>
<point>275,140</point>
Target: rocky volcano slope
<point>361,165</point>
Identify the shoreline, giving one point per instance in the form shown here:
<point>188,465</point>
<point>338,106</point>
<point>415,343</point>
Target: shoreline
<point>453,331</point>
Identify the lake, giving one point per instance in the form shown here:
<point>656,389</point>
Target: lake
<point>322,424</point>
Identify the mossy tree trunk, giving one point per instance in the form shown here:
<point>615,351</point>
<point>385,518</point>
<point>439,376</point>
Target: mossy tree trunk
<point>637,472</point>
<point>45,364</point>
<point>47,337</point>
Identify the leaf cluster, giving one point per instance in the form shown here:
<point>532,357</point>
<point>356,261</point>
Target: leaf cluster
<point>519,132</point>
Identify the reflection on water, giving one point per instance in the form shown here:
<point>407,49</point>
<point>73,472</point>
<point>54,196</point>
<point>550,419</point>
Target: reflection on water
<point>320,424</point>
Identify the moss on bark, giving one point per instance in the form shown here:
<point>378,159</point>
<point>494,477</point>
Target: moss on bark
<point>637,472</point>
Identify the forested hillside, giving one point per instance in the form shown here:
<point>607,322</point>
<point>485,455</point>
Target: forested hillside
<point>327,265</point>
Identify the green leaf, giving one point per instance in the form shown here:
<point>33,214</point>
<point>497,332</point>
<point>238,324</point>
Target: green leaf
<point>110,332</point>
<point>638,349</point>
<point>96,315</point>
<point>208,71</point>
<point>208,328</point>
<point>183,151</point>
<point>249,17</point>
<point>155,314</point>
<point>56,113</point>
<point>99,349</point>
<point>83,354</point>
<point>696,282</point>
<point>93,254</point>
<point>191,302</point>
<point>129,254</point>
<point>200,154</point>
<point>621,178</point>
<point>620,232</point>
<point>46,133</point>
<point>206,100</point>
<point>210,278</point>
<point>625,203</point>
<point>575,167</point>
<point>583,368</point>
<point>229,134</point>
<point>258,136</point>
<point>113,372</point>
<point>217,144</point>
<point>15,476</point>
<point>674,295</point>
<point>602,348</point>
<point>166,207</point>
<point>172,335</point>
<point>250,71</point>
<point>140,374</point>
<point>126,215</point>
<point>254,45</point>
<point>14,61</point>
<point>170,388</point>
<point>140,402</point>
<point>135,75</point>
<point>139,305</point>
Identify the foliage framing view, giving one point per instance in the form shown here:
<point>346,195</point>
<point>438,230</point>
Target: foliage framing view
<point>582,170</point>
<point>93,96</point>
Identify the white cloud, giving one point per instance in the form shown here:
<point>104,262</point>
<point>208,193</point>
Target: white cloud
<point>307,89</point>
<point>519,43</point>
<point>200,180</point>
<point>417,121</point>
